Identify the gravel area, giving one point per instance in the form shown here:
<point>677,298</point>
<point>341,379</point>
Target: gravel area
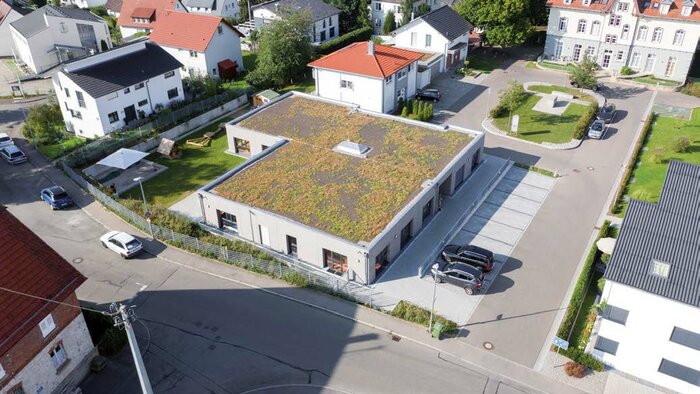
<point>593,382</point>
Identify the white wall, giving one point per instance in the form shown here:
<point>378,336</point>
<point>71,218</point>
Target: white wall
<point>379,15</point>
<point>644,339</point>
<point>262,16</point>
<point>226,8</point>
<point>438,42</point>
<point>226,45</point>
<point>6,45</point>
<point>366,92</point>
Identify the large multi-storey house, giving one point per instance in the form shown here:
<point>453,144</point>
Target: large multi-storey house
<point>382,7</point>
<point>325,24</point>
<point>656,37</point>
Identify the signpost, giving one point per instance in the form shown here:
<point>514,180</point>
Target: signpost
<point>561,343</point>
<point>514,123</point>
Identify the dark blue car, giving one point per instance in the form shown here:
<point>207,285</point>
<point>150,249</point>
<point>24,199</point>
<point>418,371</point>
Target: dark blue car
<point>57,197</point>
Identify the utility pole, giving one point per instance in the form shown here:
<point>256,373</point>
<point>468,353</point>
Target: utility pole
<point>123,317</point>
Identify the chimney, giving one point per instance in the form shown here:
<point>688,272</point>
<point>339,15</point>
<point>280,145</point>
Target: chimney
<point>370,48</point>
<point>413,15</point>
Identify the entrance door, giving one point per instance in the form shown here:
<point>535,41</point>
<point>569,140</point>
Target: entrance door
<point>264,235</point>
<point>129,114</point>
<point>459,177</point>
<point>606,58</point>
<point>649,65</point>
<point>406,234</point>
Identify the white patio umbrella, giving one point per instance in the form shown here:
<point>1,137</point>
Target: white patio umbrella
<point>606,245</point>
<point>123,158</point>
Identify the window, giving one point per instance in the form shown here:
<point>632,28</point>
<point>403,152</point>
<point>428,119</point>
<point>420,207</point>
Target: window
<point>682,337</point>
<point>292,246</point>
<point>615,314</point>
<point>169,74</point>
<point>213,71</point>
<point>347,84</point>
<point>138,86</point>
<point>47,325</point>
<point>335,262</point>
<point>428,40</point>
<point>567,1</point>
<point>414,39</point>
<point>634,62</point>
<point>172,93</point>
<point>581,26</point>
<point>76,114</point>
<point>606,345</point>
<point>625,32</point>
<point>649,67</point>
<point>610,38</point>
<point>562,24</point>
<point>406,234</point>
<point>670,66</point>
<point>557,49</point>
<point>331,32</point>
<point>642,34</point>
<point>623,7</point>
<point>619,56</point>
<point>586,2</point>
<point>142,103</point>
<point>657,35</point>
<point>228,221</point>
<point>323,24</point>
<point>67,92</point>
<point>81,101</point>
<point>113,117</point>
<point>577,53</point>
<point>323,35</point>
<point>595,28</point>
<point>590,52</point>
<point>659,268</point>
<point>193,53</point>
<point>220,29</point>
<point>401,74</point>
<point>679,371</point>
<point>16,389</point>
<point>614,20</point>
<point>388,79</point>
<point>678,37</point>
<point>427,209</point>
<point>127,90</point>
<point>241,146</point>
<point>378,6</point>
<point>58,356</point>
<point>382,259</point>
<point>686,10</point>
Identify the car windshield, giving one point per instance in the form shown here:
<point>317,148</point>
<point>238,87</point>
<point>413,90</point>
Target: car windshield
<point>60,196</point>
<point>4,139</point>
<point>16,154</point>
<point>597,126</point>
<point>133,244</point>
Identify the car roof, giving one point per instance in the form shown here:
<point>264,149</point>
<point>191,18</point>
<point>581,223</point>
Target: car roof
<point>123,237</point>
<point>474,248</point>
<point>4,135</point>
<point>56,189</point>
<point>12,149</point>
<point>465,268</point>
<point>429,90</point>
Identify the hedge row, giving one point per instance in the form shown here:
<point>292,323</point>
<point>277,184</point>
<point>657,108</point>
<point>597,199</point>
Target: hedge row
<point>361,34</point>
<point>585,121</point>
<point>413,313</point>
<point>584,358</point>
<point>619,200</point>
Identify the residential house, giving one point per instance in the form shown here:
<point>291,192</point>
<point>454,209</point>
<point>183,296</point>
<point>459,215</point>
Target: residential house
<point>114,7</point>
<point>83,3</point>
<point>45,346</point>
<point>51,35</point>
<point>651,37</point>
<point>372,76</point>
<point>333,186</point>
<point>382,7</point>
<point>221,8</point>
<point>650,327</point>
<point>444,33</point>
<point>105,92</point>
<point>140,16</point>
<point>9,12</point>
<point>324,17</point>
<point>209,46</point>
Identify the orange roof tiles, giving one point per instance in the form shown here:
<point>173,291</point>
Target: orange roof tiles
<point>355,59</point>
<point>143,12</point>
<point>596,5</point>
<point>673,13</point>
<point>29,265</point>
<point>186,31</point>
<point>129,6</point>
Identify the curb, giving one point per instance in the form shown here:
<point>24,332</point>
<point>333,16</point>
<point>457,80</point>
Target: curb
<point>490,128</point>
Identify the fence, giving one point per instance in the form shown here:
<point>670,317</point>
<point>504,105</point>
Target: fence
<point>314,277</point>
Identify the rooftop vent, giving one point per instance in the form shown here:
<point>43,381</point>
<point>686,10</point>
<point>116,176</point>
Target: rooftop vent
<point>352,149</point>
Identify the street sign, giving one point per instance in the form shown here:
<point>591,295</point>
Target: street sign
<point>514,123</point>
<point>561,343</point>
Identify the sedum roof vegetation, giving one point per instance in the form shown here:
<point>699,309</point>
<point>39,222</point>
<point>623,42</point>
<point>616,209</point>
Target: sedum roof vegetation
<point>350,197</point>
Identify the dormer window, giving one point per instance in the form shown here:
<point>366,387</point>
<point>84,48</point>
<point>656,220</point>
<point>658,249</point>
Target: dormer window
<point>567,1</point>
<point>143,15</point>
<point>660,268</point>
<point>686,10</point>
<point>664,9</point>
<point>586,2</point>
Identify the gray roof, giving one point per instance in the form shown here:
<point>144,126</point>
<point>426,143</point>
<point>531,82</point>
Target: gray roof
<point>448,22</point>
<point>114,5</point>
<point>35,22</point>
<point>688,3</point>
<point>318,8</point>
<point>124,71</point>
<point>667,232</point>
<point>200,3</point>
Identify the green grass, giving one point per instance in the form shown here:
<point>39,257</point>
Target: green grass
<point>649,176</point>
<point>249,60</point>
<point>307,86</point>
<point>557,66</point>
<point>578,335</point>
<point>195,167</point>
<point>531,65</point>
<point>54,151</point>
<point>539,170</point>
<point>572,91</point>
<point>13,67</point>
<point>413,313</point>
<point>540,127</point>
<point>650,80</point>
<point>483,62</point>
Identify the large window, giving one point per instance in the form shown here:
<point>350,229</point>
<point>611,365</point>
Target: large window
<point>228,221</point>
<point>670,66</point>
<point>113,117</point>
<point>242,146</point>
<point>686,338</point>
<point>657,35</point>
<point>577,52</point>
<point>47,325</point>
<point>625,32</point>
<point>562,24</point>
<point>81,100</point>
<point>614,20</point>
<point>428,40</point>
<point>615,314</point>
<point>610,38</point>
<point>172,93</point>
<point>634,62</point>
<point>335,262</point>
<point>678,37</point>
<point>595,28</point>
<point>58,356</point>
<point>642,34</point>
<point>679,371</point>
<point>581,26</point>
<point>558,46</point>
<point>606,345</point>
<point>382,259</point>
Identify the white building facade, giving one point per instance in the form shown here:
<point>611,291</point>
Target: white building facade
<point>9,13</point>
<point>222,8</point>
<point>96,100</point>
<point>659,41</point>
<point>381,8</point>
<point>325,24</point>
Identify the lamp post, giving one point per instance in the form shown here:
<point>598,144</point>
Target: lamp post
<point>146,214</point>
<point>432,308</point>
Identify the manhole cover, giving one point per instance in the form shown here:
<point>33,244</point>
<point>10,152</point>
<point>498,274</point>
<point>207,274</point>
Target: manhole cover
<point>590,168</point>
<point>77,260</point>
<point>488,345</point>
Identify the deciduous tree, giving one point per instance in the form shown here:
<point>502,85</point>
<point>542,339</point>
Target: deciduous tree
<point>505,22</point>
<point>389,23</point>
<point>406,11</point>
<point>583,74</point>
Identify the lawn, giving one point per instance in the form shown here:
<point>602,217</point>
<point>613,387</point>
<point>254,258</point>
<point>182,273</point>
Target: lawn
<point>572,91</point>
<point>307,85</point>
<point>579,334</point>
<point>647,179</point>
<point>557,66</point>
<point>540,127</point>
<point>650,80</point>
<point>483,62</point>
<point>196,167</point>
<point>54,151</point>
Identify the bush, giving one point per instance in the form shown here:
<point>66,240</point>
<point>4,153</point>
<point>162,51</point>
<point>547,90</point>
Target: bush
<point>361,34</point>
<point>691,89</point>
<point>582,125</point>
<point>498,111</point>
<point>296,279</point>
<point>108,338</point>
<point>657,154</point>
<point>416,110</point>
<point>681,144</point>
<point>600,285</point>
<point>389,24</point>
<point>409,312</point>
<point>584,359</point>
<point>625,71</point>
<point>44,123</point>
<point>574,369</point>
<point>619,199</point>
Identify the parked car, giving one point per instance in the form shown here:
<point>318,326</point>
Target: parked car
<point>607,113</point>
<point>56,197</point>
<point>122,243</point>
<point>428,94</point>
<point>469,254</point>
<point>596,87</point>
<point>597,129</point>
<point>12,154</point>
<point>462,275</point>
<point>5,140</point>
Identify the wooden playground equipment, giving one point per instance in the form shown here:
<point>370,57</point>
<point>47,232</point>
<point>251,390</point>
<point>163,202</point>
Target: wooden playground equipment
<point>206,138</point>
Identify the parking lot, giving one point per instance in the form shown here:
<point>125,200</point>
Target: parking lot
<point>496,224</point>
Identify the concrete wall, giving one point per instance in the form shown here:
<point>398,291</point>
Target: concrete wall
<point>366,92</point>
<point>644,339</point>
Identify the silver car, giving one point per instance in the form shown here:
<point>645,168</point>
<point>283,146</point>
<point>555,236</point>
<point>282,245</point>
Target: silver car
<point>5,140</point>
<point>12,154</point>
<point>597,129</point>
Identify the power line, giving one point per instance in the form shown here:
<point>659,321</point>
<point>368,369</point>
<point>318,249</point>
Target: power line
<point>50,300</point>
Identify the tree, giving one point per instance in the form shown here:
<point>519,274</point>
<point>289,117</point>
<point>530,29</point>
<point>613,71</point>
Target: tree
<point>100,10</point>
<point>505,22</point>
<point>284,50</point>
<point>512,97</point>
<point>254,39</point>
<point>389,23</point>
<point>363,14</point>
<point>583,74</point>
<point>406,11</point>
<point>44,123</point>
<point>353,14</point>
<point>422,9</point>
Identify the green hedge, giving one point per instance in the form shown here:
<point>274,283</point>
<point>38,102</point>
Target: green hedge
<point>585,121</point>
<point>584,358</point>
<point>361,34</point>
<point>619,200</point>
<point>413,313</point>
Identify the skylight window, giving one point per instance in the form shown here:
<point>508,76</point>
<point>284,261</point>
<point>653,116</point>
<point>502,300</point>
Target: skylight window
<point>660,268</point>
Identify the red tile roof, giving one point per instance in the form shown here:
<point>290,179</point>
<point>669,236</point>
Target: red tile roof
<point>355,59</point>
<point>187,31</point>
<point>673,13</point>
<point>29,265</point>
<point>129,6</point>
<point>6,8</point>
<point>143,12</point>
<point>596,5</point>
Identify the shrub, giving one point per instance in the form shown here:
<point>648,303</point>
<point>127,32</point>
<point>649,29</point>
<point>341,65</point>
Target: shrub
<point>691,89</point>
<point>582,125</point>
<point>413,313</point>
<point>657,154</point>
<point>604,258</point>
<point>585,359</point>
<point>498,111</point>
<point>619,199</point>
<point>681,144</point>
<point>625,70</point>
<point>296,279</point>
<point>574,369</point>
<point>404,112</point>
<point>361,34</point>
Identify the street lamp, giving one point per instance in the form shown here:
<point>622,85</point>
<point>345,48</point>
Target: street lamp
<point>432,308</point>
<point>146,214</point>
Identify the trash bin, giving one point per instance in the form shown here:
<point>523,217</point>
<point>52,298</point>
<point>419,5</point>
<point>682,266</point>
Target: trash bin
<point>437,330</point>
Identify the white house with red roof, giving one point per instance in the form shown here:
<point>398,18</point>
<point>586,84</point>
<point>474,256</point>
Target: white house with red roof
<point>208,46</point>
<point>654,37</point>
<point>138,16</point>
<point>374,77</point>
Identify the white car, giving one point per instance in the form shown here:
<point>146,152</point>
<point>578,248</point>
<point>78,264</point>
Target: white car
<point>122,243</point>
<point>5,140</point>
